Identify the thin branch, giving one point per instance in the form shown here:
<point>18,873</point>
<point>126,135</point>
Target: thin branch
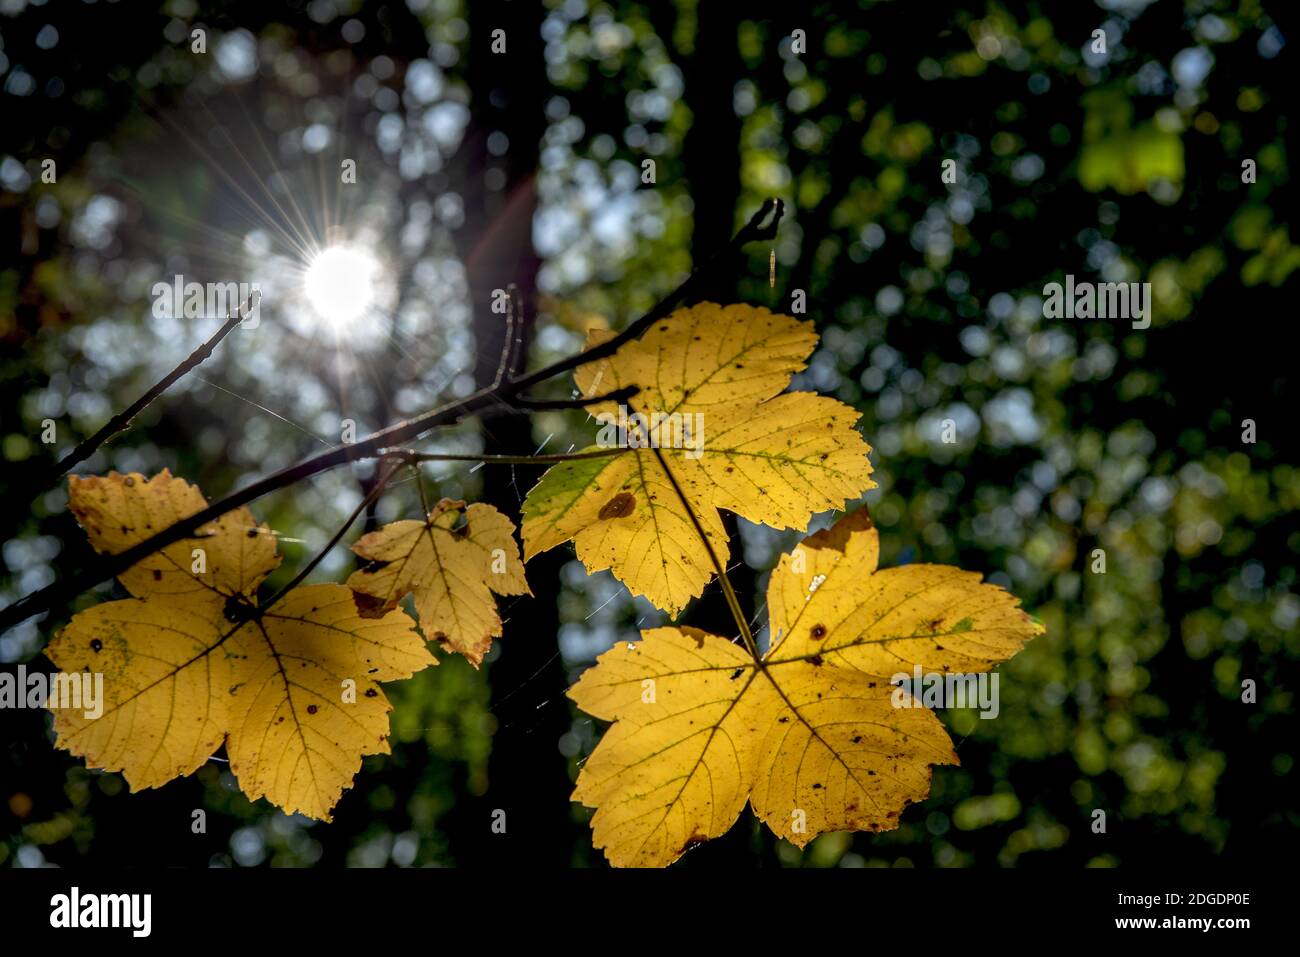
<point>108,566</point>
<point>409,455</point>
<point>762,225</point>
<point>732,601</point>
<point>507,343</point>
<point>515,348</point>
<point>123,419</point>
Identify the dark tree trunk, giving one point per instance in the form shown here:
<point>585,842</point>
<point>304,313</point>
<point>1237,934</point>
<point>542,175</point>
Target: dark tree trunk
<point>711,160</point>
<point>712,145</point>
<point>528,777</point>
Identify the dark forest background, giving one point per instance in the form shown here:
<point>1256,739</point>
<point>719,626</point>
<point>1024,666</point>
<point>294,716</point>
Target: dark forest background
<point>475,170</point>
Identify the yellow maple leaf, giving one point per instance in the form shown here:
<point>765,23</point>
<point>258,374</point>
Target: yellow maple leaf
<point>452,568</point>
<point>814,735</point>
<point>191,662</point>
<point>120,510</point>
<point>714,422</point>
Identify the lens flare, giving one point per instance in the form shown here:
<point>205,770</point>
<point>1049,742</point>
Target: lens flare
<point>340,284</point>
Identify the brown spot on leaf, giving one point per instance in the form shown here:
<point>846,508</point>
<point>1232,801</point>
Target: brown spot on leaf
<point>620,506</point>
<point>368,606</point>
<point>157,574</point>
<point>818,632</point>
<point>311,709</point>
<point>96,645</point>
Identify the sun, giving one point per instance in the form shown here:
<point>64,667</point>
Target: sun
<point>340,284</point>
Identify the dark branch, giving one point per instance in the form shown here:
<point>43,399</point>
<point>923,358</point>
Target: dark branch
<point>107,566</point>
<point>577,402</point>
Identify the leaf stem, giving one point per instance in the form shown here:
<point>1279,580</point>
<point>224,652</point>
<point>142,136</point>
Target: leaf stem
<point>419,484</point>
<point>730,593</point>
<point>316,560</point>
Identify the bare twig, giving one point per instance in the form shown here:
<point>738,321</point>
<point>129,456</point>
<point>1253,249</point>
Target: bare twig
<point>504,370</point>
<point>515,335</point>
<point>761,226</point>
<point>119,422</point>
<point>410,455</point>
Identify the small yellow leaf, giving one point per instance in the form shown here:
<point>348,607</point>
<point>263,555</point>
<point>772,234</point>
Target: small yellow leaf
<point>119,511</point>
<point>710,380</point>
<point>192,662</point>
<point>453,569</point>
<point>814,739</point>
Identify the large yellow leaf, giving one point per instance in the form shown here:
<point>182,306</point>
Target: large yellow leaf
<point>291,690</point>
<point>452,568</point>
<point>815,740</point>
<point>770,457</point>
